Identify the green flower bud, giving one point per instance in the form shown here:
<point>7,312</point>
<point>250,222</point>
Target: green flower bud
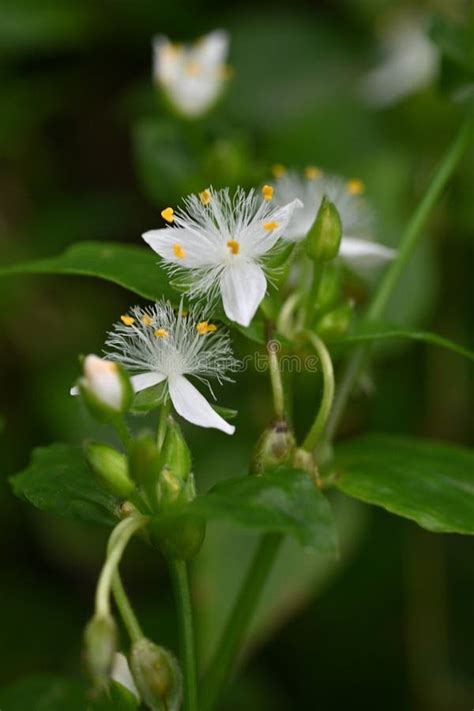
<point>179,540</point>
<point>145,465</point>
<point>336,322</point>
<point>100,645</point>
<point>157,675</point>
<point>105,388</point>
<point>110,467</point>
<point>274,448</point>
<point>175,455</point>
<point>323,240</point>
<point>330,288</point>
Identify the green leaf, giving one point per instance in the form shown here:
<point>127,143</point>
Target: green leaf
<point>428,482</point>
<point>134,268</point>
<point>118,698</point>
<point>58,480</point>
<point>43,692</point>
<point>381,331</point>
<point>284,501</point>
<point>149,398</point>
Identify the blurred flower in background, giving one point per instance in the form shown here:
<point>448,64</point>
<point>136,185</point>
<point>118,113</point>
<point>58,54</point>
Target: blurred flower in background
<point>193,75</point>
<point>410,61</point>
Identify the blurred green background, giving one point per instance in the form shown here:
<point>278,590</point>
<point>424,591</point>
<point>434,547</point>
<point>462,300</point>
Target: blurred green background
<point>87,152</point>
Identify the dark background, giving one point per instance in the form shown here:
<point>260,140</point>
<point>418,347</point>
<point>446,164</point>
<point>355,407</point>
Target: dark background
<point>86,152</point>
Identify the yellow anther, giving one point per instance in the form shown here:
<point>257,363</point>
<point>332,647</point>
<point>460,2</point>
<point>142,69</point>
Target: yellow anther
<point>227,72</point>
<point>267,192</point>
<point>234,246</point>
<point>127,320</point>
<point>161,333</point>
<point>278,170</point>
<point>171,51</point>
<point>205,197</point>
<point>204,327</point>
<point>270,226</point>
<point>355,187</point>
<point>168,214</point>
<point>312,173</point>
<point>146,320</point>
<point>179,251</point>
<point>192,68</point>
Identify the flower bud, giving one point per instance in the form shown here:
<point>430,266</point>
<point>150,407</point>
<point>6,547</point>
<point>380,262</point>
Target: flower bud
<point>157,675</point>
<point>178,539</point>
<point>145,467</point>
<point>175,455</point>
<point>105,388</point>
<point>110,467</point>
<point>100,644</point>
<point>336,322</point>
<point>274,448</point>
<point>305,460</point>
<point>330,288</point>
<point>323,240</point>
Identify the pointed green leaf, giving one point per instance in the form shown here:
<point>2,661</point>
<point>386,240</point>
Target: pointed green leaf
<point>135,268</point>
<point>58,480</point>
<point>428,482</point>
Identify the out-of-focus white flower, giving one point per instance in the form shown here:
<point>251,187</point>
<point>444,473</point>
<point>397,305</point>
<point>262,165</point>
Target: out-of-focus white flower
<point>160,345</point>
<point>104,386</point>
<point>192,75</point>
<point>357,247</point>
<point>221,240</point>
<point>410,62</point>
<point>121,673</point>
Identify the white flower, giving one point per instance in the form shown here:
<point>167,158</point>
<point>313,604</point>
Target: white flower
<point>221,241</point>
<point>356,248</point>
<point>104,385</point>
<point>160,345</point>
<point>192,75</point>
<point>121,673</point>
<point>410,62</point>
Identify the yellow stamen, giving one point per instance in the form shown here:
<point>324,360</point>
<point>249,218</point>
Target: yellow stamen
<point>127,320</point>
<point>355,187</point>
<point>234,246</point>
<point>267,192</point>
<point>161,333</point>
<point>179,251</point>
<point>205,197</point>
<point>278,170</point>
<point>204,327</point>
<point>146,320</point>
<point>270,226</point>
<point>312,173</point>
<point>168,214</point>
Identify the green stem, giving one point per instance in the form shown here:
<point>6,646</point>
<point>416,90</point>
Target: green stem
<point>123,432</point>
<point>119,539</point>
<point>275,379</point>
<point>179,572</point>
<point>319,423</point>
<point>239,620</point>
<point>125,608</point>
<point>408,243</point>
<point>318,271</point>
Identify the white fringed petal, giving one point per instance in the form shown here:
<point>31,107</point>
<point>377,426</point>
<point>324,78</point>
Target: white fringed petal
<point>199,250</point>
<point>243,286</point>
<point>146,380</point>
<point>363,254</point>
<point>190,404</point>
<point>121,673</point>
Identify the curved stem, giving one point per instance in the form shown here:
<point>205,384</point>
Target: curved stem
<point>408,242</point>
<point>239,620</point>
<point>319,423</point>
<point>126,611</point>
<point>119,539</point>
<point>179,572</point>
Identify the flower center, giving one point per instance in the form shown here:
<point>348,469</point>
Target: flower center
<point>234,246</point>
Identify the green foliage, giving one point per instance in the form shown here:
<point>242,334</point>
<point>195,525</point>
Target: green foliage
<point>118,698</point>
<point>134,268</point>
<point>285,501</point>
<point>456,43</point>
<point>428,482</point>
<point>58,480</point>
<point>382,331</point>
<point>43,692</point>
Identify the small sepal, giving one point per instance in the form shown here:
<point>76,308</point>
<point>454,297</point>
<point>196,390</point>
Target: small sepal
<point>99,648</point>
<point>324,238</point>
<point>157,676</point>
<point>105,388</point>
<point>110,467</point>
